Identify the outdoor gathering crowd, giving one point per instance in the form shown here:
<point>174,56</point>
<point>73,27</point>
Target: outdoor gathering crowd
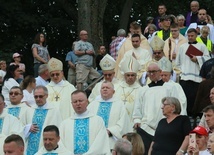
<point>152,93</point>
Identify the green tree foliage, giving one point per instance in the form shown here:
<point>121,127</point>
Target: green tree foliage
<point>20,20</point>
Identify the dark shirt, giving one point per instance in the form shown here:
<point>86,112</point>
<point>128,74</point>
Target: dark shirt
<point>158,83</point>
<point>169,136</point>
<point>98,59</point>
<point>206,68</point>
<point>194,17</point>
<point>166,34</point>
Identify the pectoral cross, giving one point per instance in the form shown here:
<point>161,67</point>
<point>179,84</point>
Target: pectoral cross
<point>57,97</point>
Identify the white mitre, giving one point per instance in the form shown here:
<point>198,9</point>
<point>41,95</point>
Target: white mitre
<point>129,64</point>
<point>165,65</point>
<point>107,63</point>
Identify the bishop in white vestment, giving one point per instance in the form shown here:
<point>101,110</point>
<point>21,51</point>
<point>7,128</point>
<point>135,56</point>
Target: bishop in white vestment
<point>107,65</point>
<point>59,90</point>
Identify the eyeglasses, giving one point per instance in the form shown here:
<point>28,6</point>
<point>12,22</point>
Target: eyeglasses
<point>165,104</point>
<point>38,96</point>
<point>156,53</point>
<point>15,93</point>
<point>107,75</point>
<point>153,71</point>
<point>55,74</point>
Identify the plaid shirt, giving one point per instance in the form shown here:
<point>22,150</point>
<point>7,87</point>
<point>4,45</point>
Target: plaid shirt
<point>113,47</point>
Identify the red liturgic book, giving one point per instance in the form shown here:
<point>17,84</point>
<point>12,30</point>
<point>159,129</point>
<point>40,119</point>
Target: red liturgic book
<point>192,50</point>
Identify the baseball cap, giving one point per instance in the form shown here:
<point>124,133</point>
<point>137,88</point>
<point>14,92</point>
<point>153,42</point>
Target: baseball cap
<point>16,55</point>
<point>200,130</point>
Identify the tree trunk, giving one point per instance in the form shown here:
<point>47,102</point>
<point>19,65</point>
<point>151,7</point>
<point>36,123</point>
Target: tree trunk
<point>90,15</point>
<point>124,18</point>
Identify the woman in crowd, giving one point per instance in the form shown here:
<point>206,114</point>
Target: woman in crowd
<point>17,61</point>
<point>172,133</point>
<point>152,29</point>
<point>181,21</point>
<point>28,85</point>
<point>9,81</point>
<point>210,145</point>
<point>137,143</point>
<point>40,52</point>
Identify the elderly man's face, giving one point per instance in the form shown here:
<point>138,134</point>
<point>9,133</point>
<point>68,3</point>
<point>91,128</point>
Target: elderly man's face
<point>157,55</point>
<point>194,6</point>
<point>15,96</point>
<point>40,97</point>
<point>130,78</point>
<point>108,75</point>
<point>56,76</point>
<point>154,72</point>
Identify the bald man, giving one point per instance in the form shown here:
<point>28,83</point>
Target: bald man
<point>84,64</point>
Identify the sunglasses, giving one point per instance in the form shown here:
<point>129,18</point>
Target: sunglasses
<point>55,74</point>
<point>156,53</point>
<point>107,75</point>
<point>15,93</point>
<point>132,75</point>
<point>38,96</point>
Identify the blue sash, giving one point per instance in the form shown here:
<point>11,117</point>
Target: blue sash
<point>104,111</point>
<point>50,154</point>
<point>14,111</point>
<point>1,124</point>
<point>81,136</point>
<point>34,138</point>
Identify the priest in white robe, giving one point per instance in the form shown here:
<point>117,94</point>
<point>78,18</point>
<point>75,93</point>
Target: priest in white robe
<point>16,108</point>
<point>166,72</point>
<point>135,28</point>
<point>59,90</point>
<point>84,132</point>
<point>202,15</point>
<point>107,65</point>
<point>38,118</point>
<point>113,112</point>
<point>52,144</point>
<point>147,111</point>
<point>128,89</point>
<point>8,124</point>
<point>143,56</point>
<point>190,67</point>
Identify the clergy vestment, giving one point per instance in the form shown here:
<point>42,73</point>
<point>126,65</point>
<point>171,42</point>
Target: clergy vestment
<point>18,110</point>
<point>10,124</point>
<point>175,44</point>
<point>189,69</point>
<point>96,90</point>
<point>60,96</point>
<point>180,96</point>
<point>196,25</point>
<point>114,115</point>
<point>128,93</point>
<point>147,110</point>
<point>141,55</point>
<point>60,150</point>
<point>126,46</point>
<point>85,134</point>
<point>42,117</point>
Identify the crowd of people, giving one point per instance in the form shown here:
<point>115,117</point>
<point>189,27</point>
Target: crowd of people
<point>152,93</point>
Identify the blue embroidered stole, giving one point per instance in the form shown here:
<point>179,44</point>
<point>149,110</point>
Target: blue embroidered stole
<point>34,138</point>
<point>81,135</point>
<point>1,124</point>
<point>50,154</point>
<point>104,111</point>
<point>15,111</point>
